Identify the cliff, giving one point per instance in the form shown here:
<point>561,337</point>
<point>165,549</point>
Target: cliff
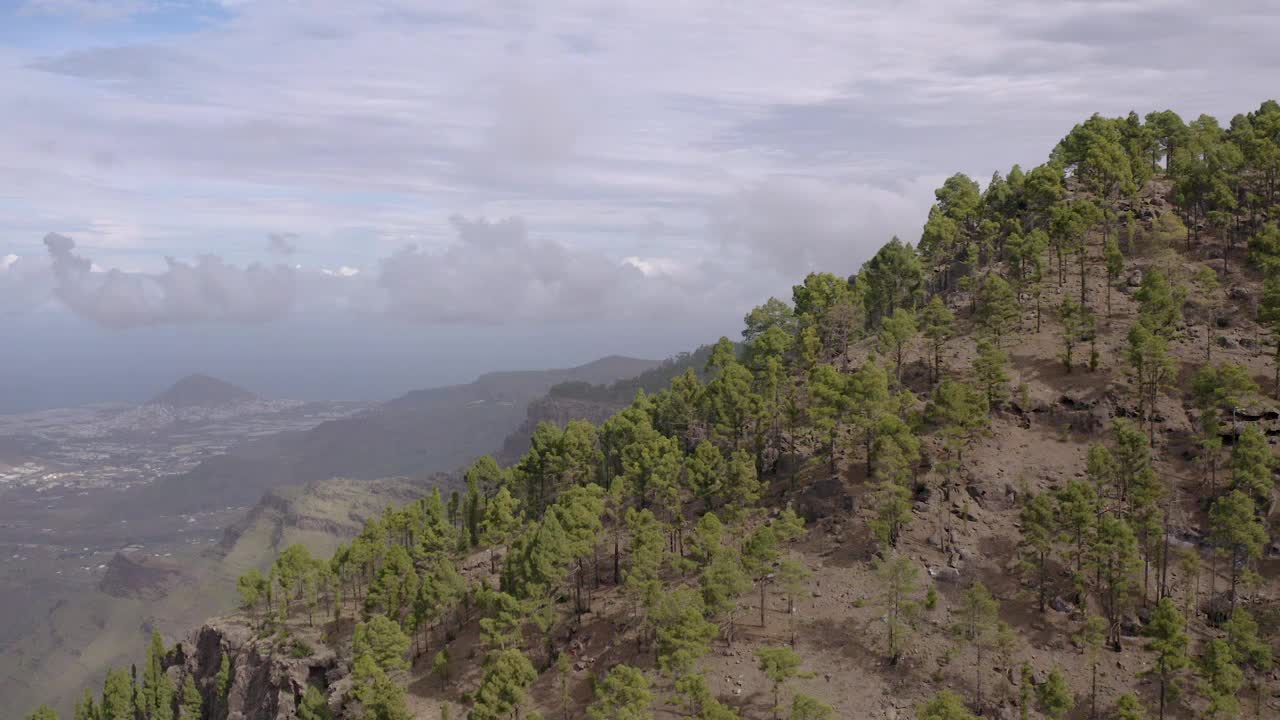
<point>266,677</point>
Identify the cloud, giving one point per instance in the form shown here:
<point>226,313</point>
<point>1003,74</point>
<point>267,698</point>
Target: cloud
<point>25,284</point>
<point>208,290</point>
<point>493,272</point>
<point>497,273</point>
<point>673,151</point>
<point>793,225</point>
<point>282,243</point>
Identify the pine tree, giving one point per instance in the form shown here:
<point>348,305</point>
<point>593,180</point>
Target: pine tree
<point>939,326</point>
<point>624,695</point>
<point>44,712</point>
<point>891,504</point>
<point>1251,463</point>
<point>252,586</point>
<point>698,700</point>
<point>1115,562</point>
<point>440,666</point>
<point>1210,290</point>
<point>383,640</point>
<point>741,485</point>
<point>759,553</point>
<point>1054,696</point>
<point>1249,651</point>
<point>381,698</point>
<point>1026,691</point>
<point>222,681</point>
<point>731,404</point>
<point>1269,317</point>
<point>1114,261</point>
<point>998,310</point>
<point>792,576</point>
<point>1159,304</point>
<point>896,331</point>
<point>722,582</point>
<point>898,577</point>
<point>1128,708</point>
<point>1077,326</point>
<point>1093,634</point>
<point>500,524</point>
<point>946,705</point>
<point>704,473</point>
<point>641,581</point>
<point>979,626</point>
<point>86,709</point>
<point>1153,370</point>
<point>1038,521</point>
<point>1100,467</point>
<point>314,706</point>
<point>117,696</point>
<point>191,705</point>
<point>157,692</point>
<point>683,633</point>
<point>804,707</point>
<point>831,406</point>
<point>1217,389</point>
<point>990,371</point>
<point>1235,530</point>
<point>1169,644</point>
<point>1076,517</point>
<point>780,665</point>
<point>504,687</point>
<point>564,670</point>
<point>1220,680</point>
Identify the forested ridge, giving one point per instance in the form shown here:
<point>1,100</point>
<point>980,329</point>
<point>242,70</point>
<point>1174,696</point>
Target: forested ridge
<point>1024,467</point>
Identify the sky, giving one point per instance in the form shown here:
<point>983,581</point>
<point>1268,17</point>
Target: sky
<point>352,199</point>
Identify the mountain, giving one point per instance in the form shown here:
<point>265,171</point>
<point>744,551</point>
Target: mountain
<point>201,391</point>
<point>415,435</point>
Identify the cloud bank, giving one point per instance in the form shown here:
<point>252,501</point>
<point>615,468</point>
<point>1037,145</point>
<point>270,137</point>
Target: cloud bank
<point>208,290</point>
<point>649,156</point>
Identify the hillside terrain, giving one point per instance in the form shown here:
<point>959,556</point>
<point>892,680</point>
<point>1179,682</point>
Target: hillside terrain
<point>1025,467</point>
<point>95,563</point>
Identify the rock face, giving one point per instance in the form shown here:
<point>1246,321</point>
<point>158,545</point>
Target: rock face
<point>267,678</point>
<point>558,411</point>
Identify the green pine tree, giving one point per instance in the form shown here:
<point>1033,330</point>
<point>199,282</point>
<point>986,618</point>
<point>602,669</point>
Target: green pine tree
<point>1168,634</point>
<point>624,695</point>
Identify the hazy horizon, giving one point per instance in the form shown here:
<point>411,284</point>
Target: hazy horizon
<point>376,364</point>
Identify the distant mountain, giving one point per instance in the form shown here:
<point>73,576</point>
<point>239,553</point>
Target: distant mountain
<point>196,391</point>
<point>415,435</point>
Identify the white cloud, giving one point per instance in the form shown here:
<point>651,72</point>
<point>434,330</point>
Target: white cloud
<point>763,139</point>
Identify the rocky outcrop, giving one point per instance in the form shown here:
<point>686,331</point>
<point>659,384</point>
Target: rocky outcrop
<point>266,677</point>
<point>557,411</point>
<point>137,576</point>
